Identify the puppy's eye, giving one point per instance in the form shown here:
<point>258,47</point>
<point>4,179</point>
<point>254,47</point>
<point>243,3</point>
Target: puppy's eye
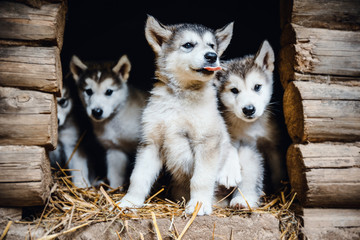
<point>89,92</point>
<point>188,45</point>
<point>109,92</point>
<point>211,45</point>
<point>63,102</point>
<point>234,90</point>
<point>257,87</point>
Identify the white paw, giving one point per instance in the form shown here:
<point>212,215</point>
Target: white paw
<point>239,202</point>
<point>130,202</point>
<point>230,173</point>
<point>205,209</point>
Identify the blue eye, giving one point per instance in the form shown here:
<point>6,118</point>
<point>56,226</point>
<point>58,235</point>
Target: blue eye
<point>257,87</point>
<point>188,45</point>
<point>109,92</point>
<point>89,92</point>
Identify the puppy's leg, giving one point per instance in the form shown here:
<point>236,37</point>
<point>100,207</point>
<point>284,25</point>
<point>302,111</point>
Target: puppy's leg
<point>202,184</point>
<point>80,175</point>
<point>146,170</point>
<point>117,162</point>
<point>252,182</point>
<point>230,170</point>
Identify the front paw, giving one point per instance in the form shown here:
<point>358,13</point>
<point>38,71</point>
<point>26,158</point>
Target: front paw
<point>130,202</point>
<point>239,202</point>
<point>230,174</point>
<point>205,208</point>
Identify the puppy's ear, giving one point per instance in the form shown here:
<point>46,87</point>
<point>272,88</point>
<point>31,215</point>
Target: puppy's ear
<point>77,67</point>
<point>223,37</point>
<point>156,33</point>
<point>265,57</point>
<point>122,68</point>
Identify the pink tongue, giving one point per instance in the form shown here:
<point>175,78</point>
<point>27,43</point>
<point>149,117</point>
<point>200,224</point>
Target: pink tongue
<point>213,68</point>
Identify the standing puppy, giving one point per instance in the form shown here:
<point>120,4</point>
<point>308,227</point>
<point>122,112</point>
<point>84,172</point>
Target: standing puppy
<point>182,128</point>
<point>245,90</point>
<point>115,110</point>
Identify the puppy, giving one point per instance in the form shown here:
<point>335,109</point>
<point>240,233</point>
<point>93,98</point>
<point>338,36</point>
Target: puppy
<point>245,89</point>
<point>182,128</point>
<point>114,108</point>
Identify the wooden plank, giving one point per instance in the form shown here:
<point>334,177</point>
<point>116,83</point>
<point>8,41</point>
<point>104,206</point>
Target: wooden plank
<point>27,118</point>
<point>325,174</point>
<point>325,223</point>
<point>25,176</point>
<point>318,112</point>
<point>37,68</point>
<point>318,51</point>
<point>329,14</point>
<point>22,22</point>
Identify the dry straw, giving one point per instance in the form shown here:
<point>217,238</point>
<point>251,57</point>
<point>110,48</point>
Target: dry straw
<point>70,208</point>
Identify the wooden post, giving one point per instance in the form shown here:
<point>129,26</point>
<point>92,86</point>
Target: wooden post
<point>27,118</point>
<point>25,176</point>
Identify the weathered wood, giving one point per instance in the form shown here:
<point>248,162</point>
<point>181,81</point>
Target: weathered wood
<point>318,51</point>
<point>21,22</point>
<point>328,79</point>
<point>37,68</point>
<point>325,223</point>
<point>329,14</point>
<point>318,112</point>
<point>25,176</point>
<point>27,118</point>
<point>325,174</point>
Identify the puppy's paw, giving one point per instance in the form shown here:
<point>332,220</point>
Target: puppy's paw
<point>205,209</point>
<point>239,202</point>
<point>130,202</point>
<point>230,173</point>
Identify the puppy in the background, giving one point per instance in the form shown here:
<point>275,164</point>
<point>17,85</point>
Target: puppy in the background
<point>114,108</point>
<point>245,89</point>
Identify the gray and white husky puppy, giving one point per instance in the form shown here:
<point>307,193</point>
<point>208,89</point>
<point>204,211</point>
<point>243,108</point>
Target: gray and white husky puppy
<point>182,127</point>
<point>115,110</point>
<point>245,89</point>
<point>68,135</point>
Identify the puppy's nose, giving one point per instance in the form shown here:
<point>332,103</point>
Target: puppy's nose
<point>249,110</point>
<point>97,112</point>
<point>210,57</point>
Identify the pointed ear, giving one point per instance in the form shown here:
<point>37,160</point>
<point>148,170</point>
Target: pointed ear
<point>223,37</point>
<point>77,67</point>
<point>156,33</point>
<point>265,57</point>
<point>122,68</point>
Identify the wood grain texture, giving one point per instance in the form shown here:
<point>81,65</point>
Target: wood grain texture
<point>325,174</point>
<point>37,68</point>
<point>319,112</point>
<point>25,176</point>
<point>27,118</point>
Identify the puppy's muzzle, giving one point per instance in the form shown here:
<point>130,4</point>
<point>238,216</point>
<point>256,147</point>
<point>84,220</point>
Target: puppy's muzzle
<point>97,113</point>
<point>210,57</point>
<point>249,111</point>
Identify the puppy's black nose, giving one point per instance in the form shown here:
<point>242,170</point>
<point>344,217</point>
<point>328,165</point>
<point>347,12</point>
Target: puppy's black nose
<point>249,110</point>
<point>97,112</point>
<point>210,57</point>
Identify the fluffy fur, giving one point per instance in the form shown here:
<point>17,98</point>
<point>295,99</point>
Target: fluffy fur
<point>182,128</point>
<point>115,110</point>
<point>245,89</point>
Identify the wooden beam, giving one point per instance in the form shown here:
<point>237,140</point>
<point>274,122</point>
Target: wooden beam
<point>325,174</point>
<point>318,51</point>
<point>25,176</point>
<point>37,68</point>
<point>27,118</point>
<point>21,22</point>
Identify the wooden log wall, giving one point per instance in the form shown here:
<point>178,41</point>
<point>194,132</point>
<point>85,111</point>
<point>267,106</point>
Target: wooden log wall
<point>319,66</point>
<point>31,38</point>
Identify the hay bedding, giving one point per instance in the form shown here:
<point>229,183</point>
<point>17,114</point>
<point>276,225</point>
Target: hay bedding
<point>70,208</point>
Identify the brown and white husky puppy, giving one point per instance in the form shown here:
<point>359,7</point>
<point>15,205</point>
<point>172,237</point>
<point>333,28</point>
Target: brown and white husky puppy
<point>245,88</point>
<point>115,110</point>
<point>182,127</point>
